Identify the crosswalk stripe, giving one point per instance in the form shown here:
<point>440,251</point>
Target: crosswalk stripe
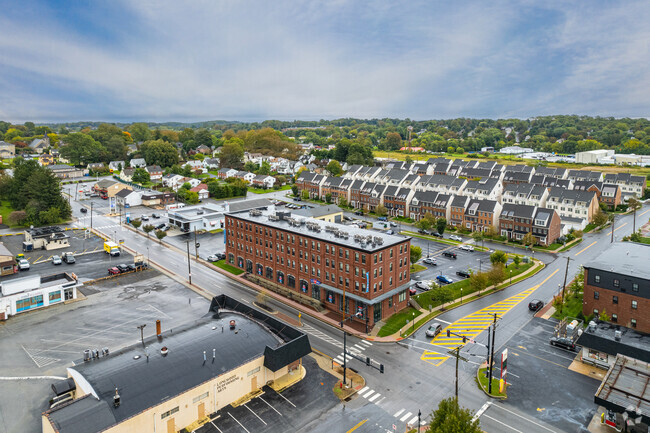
<point>364,390</point>
<point>408,414</point>
<point>374,397</point>
<point>370,392</point>
<point>367,343</point>
<point>399,412</point>
<point>413,420</point>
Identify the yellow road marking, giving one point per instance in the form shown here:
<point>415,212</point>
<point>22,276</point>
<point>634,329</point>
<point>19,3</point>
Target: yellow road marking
<point>620,227</point>
<point>644,212</point>
<point>357,426</point>
<point>582,250</point>
<point>475,323</point>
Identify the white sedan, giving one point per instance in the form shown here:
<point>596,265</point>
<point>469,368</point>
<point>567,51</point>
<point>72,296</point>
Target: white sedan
<point>466,248</point>
<point>456,238</point>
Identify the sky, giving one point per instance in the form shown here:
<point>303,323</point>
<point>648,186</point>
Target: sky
<point>181,60</point>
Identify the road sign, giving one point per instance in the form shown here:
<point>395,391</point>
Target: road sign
<point>197,245</point>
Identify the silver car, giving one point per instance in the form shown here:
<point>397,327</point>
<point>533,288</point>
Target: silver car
<point>433,329</point>
<point>56,260</point>
<point>456,238</point>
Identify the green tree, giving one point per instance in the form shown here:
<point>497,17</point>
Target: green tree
<point>381,210</point>
<point>160,234</point>
<point>529,239</point>
<point>604,316</point>
<point>192,197</point>
<point>81,149</point>
<point>294,190</point>
<point>496,274</point>
<point>148,228</point>
<point>140,175</point>
<point>328,198</point>
<point>305,194</point>
<point>450,149</point>
<point>232,154</point>
<point>478,237</point>
<point>265,168</point>
<point>393,141</point>
<point>159,152</point>
<point>451,418</point>
<point>416,254</point>
<point>441,225</point>
<point>600,217</point>
<point>140,132</point>
<point>498,257</point>
<point>442,295</point>
<point>516,260</point>
<point>423,224</point>
<point>186,135</point>
<point>202,137</point>
<point>334,167</point>
<point>136,223</point>
<point>478,281</point>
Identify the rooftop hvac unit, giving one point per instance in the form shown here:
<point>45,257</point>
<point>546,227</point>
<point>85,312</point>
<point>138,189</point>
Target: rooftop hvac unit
<point>274,218</point>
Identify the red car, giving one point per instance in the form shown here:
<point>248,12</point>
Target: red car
<point>113,271</point>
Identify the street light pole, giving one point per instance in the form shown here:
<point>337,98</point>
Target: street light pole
<point>91,215</point>
<point>141,328</point>
<point>613,221</point>
<point>189,268</point>
<point>566,271</point>
<point>494,327</point>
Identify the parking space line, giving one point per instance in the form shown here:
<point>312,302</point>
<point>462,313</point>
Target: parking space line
<point>267,403</point>
<point>215,426</point>
<point>502,423</point>
<point>255,414</point>
<point>524,418</point>
<point>286,400</point>
<point>242,426</point>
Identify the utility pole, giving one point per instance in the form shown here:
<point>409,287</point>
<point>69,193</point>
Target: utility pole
<point>491,361</point>
<point>196,246</point>
<point>566,271</point>
<point>189,268</point>
<point>419,419</point>
<point>613,220</point>
<point>91,215</point>
<point>456,354</point>
<point>141,328</point>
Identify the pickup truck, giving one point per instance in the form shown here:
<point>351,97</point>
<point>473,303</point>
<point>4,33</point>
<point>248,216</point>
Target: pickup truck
<point>68,258</point>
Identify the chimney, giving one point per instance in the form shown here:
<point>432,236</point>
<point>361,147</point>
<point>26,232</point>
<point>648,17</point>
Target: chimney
<point>158,328</point>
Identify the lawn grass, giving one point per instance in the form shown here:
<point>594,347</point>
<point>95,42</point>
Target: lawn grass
<point>483,381</point>
<point>5,210</point>
<point>397,321</point>
<point>265,191</point>
<point>403,219</point>
<point>417,268</point>
<point>644,240</point>
<point>226,267</point>
<point>589,227</point>
<point>215,231</point>
<point>569,246</point>
<point>572,306</point>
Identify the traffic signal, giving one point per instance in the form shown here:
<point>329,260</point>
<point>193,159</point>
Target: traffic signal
<point>448,333</point>
<point>367,360</point>
<point>381,368</point>
<point>464,339</point>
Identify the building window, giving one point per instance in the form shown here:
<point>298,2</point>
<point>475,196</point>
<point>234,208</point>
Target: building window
<point>617,283</point>
<point>596,295</point>
<point>633,323</point>
<point>596,312</point>
<point>55,296</point>
<point>331,298</point>
<point>614,318</point>
<point>303,286</point>
<point>402,296</point>
<point>202,396</point>
<point>597,278</point>
<point>614,299</point>
<point>634,305</point>
<point>280,275</point>
<point>635,287</point>
<point>291,281</point>
<point>390,302</point>
<point>363,259</point>
<point>168,413</point>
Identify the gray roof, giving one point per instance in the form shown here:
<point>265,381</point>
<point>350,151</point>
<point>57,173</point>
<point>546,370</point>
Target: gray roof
<point>321,230</point>
<point>105,183</point>
<point>571,194</point>
<point>84,415</point>
<point>242,205</point>
<point>123,193</point>
<point>632,343</point>
<point>481,205</point>
<point>512,210</point>
<point>61,167</point>
<point>318,211</point>
<point>460,201</point>
<point>625,258</point>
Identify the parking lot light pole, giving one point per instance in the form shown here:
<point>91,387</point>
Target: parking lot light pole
<point>189,269</point>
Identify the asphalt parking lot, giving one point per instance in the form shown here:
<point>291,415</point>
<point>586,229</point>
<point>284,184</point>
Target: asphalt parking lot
<point>286,411</point>
<point>91,260</point>
<point>44,342</point>
<point>539,379</point>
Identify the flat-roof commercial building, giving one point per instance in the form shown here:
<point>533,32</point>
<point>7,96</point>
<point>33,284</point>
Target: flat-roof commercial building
<point>617,282</point>
<point>35,291</point>
<point>182,376</point>
<point>322,262</point>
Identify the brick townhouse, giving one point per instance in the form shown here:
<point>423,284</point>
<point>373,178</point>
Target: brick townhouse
<point>324,261</point>
<point>516,220</point>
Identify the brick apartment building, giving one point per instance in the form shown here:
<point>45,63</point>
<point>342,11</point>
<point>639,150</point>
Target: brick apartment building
<point>516,220</point>
<point>617,282</point>
<point>323,261</point>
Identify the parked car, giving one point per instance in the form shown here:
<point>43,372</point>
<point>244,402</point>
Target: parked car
<point>433,329</point>
<point>412,291</point>
<point>422,232</point>
<point>56,260</point>
<point>444,279</point>
<point>160,226</point>
<point>456,238</point>
<point>347,218</point>
<point>84,210</point>
<point>221,256</point>
<point>131,267</point>
<point>436,234</point>
<point>390,232</point>
<point>23,265</point>
<point>392,224</point>
<point>466,248</point>
<point>166,227</point>
<point>450,254</point>
<point>212,258</point>
<point>430,261</point>
<point>463,274</point>
<point>155,215</point>
<point>563,342</point>
<point>113,271</point>
<point>123,268</point>
<point>423,285</point>
<point>144,218</point>
<point>535,305</point>
<point>382,218</point>
<point>359,212</point>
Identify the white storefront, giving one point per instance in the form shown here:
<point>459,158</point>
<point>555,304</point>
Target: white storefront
<point>24,294</point>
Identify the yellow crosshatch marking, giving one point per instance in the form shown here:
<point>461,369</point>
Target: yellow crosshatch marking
<point>473,324</point>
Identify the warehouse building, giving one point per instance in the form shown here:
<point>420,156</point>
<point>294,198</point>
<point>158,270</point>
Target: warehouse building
<point>181,376</point>
<point>24,294</point>
<point>322,264</point>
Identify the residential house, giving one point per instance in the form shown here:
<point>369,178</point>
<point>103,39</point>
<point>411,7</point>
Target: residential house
<point>368,173</point>
<point>108,188</point>
<point>487,189</point>
<point>611,195</point>
<point>457,210</point>
<point>45,159</point>
<point>155,198</point>
<point>593,176</point>
<point>114,166</point>
<point>225,173</point>
<point>573,204</point>
<point>127,198</point>
<point>171,180</point>
<point>424,202</point>
<point>525,193</point>
<point>517,220</point>
<point>203,149</point>
<point>410,181</point>
<point>193,183</point>
<point>441,183</point>
<point>138,163</point>
<point>67,171</point>
<point>38,145</point>
<point>245,175</point>
<point>211,163</point>
<point>365,195</point>
<point>556,172</point>
<point>127,174</point>
<point>631,186</point>
<point>517,177</point>
<point>197,165</point>
<point>263,181</point>
<point>202,190</point>
<point>421,168</point>
<point>355,193</point>
<point>551,181</point>
<point>96,166</point>
<point>311,182</point>
<point>396,200</point>
<point>351,171</point>
<point>392,177</point>
<point>458,165</point>
<point>480,215</point>
<point>7,150</point>
<point>329,184</point>
<point>155,173</point>
<point>439,165</point>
